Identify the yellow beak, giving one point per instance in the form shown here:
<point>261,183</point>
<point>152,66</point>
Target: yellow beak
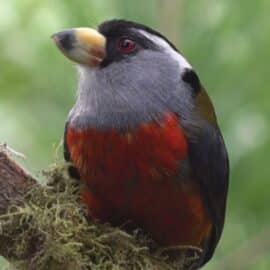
<point>82,45</point>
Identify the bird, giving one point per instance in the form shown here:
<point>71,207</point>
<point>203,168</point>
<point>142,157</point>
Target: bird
<point>143,136</point>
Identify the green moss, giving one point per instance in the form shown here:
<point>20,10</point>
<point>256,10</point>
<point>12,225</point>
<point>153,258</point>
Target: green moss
<point>52,225</point>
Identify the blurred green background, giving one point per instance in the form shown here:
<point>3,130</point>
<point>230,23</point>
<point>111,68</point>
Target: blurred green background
<point>227,42</point>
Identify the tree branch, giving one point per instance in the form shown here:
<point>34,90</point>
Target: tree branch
<point>14,181</point>
<point>46,227</point>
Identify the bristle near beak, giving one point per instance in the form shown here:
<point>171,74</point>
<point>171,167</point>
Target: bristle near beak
<point>82,45</point>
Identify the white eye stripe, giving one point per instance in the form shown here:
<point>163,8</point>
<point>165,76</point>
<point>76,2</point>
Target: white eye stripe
<point>183,63</point>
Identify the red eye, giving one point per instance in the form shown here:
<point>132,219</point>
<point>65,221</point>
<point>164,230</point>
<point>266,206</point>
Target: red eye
<point>126,45</point>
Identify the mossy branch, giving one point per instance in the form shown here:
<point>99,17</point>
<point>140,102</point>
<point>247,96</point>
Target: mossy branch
<point>46,227</point>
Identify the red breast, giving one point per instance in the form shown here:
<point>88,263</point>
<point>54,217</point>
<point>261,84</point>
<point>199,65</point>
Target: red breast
<point>133,176</point>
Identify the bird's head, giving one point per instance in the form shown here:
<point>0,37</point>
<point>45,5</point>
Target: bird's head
<point>128,74</point>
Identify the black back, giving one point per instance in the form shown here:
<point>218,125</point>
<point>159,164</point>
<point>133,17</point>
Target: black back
<point>210,167</point>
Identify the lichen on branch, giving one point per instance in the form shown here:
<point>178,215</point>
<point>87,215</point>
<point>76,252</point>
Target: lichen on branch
<point>46,227</point>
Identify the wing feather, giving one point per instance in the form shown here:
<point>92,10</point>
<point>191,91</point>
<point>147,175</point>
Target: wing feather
<point>210,167</point>
<point>73,172</point>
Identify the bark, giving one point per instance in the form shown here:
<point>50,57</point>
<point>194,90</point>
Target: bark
<point>14,182</point>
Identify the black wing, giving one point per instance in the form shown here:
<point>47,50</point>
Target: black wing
<point>210,167</point>
<point>73,172</point>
